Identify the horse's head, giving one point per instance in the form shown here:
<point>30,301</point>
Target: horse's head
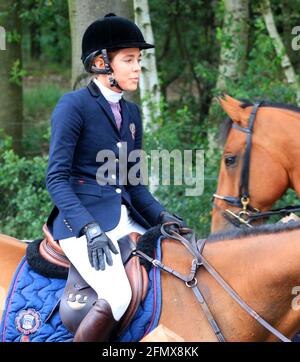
<point>253,168</point>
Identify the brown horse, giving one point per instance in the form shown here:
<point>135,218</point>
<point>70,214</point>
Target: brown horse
<point>262,266</point>
<point>12,251</point>
<point>261,149</point>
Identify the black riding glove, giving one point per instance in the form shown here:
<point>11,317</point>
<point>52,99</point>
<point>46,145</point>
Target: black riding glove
<point>98,244</point>
<point>165,216</point>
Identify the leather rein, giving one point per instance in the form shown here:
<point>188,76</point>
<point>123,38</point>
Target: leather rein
<point>195,247</point>
<point>248,213</point>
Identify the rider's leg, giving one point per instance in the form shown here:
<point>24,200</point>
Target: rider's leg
<point>111,284</point>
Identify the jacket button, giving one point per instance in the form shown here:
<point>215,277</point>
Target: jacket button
<point>119,144</point>
<point>113,177</point>
<point>118,191</point>
<point>117,160</point>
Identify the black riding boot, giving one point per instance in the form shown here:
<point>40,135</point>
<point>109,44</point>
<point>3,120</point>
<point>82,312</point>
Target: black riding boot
<point>97,325</point>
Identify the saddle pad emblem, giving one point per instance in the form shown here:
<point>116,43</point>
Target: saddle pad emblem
<point>132,130</point>
<point>28,321</point>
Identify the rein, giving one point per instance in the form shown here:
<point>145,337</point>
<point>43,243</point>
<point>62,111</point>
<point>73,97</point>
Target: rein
<point>195,247</point>
<point>248,212</point>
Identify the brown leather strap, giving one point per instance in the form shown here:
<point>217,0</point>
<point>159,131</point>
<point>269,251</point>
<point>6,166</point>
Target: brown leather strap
<point>160,265</point>
<point>202,261</point>
<point>238,299</point>
<point>208,314</point>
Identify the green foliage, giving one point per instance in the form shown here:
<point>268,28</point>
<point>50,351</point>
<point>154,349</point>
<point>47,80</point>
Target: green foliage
<point>17,73</point>
<point>39,102</point>
<point>41,98</point>
<point>207,72</point>
<point>25,202</point>
<point>13,37</point>
<point>180,131</point>
<point>184,33</point>
<point>46,28</point>
<point>263,78</point>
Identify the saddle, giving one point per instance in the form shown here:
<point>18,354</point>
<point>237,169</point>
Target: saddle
<point>79,297</point>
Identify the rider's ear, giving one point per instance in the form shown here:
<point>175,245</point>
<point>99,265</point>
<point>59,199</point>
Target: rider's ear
<point>99,62</point>
<point>234,111</point>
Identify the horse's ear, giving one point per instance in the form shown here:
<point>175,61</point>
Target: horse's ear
<point>233,101</point>
<point>234,111</point>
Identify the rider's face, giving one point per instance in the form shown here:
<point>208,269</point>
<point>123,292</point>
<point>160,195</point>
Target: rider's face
<point>126,65</point>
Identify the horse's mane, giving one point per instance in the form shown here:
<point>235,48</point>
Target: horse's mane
<point>258,230</point>
<point>226,126</point>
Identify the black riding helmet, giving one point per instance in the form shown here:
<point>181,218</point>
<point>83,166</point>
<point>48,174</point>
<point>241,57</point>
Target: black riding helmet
<point>109,33</point>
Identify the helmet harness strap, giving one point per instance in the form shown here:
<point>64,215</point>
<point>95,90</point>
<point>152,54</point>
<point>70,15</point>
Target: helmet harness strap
<point>107,67</point>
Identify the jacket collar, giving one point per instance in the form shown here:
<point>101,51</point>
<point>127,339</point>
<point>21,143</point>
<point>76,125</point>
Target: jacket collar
<point>95,92</point>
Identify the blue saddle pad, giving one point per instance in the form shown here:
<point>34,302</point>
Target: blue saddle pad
<point>31,313</point>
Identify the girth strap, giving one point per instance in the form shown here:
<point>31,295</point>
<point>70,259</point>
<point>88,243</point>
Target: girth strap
<point>208,314</point>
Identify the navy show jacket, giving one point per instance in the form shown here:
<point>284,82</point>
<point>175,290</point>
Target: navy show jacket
<point>82,124</point>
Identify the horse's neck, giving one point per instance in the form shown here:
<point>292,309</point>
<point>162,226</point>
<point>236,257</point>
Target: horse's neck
<point>293,154</point>
<point>286,130</point>
<point>264,270</point>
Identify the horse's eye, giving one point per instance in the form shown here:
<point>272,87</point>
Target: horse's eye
<point>230,160</point>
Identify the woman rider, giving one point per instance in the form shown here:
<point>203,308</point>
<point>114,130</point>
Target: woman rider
<point>90,215</point>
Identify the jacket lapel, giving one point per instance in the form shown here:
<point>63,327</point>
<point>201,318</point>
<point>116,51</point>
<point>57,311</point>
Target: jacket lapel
<point>95,92</point>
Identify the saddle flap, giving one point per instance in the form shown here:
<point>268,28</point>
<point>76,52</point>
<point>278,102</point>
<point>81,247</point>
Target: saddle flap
<point>77,299</point>
<point>134,274</point>
<point>145,279</point>
<point>127,245</point>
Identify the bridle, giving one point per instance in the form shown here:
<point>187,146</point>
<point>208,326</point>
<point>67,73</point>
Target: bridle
<point>247,213</point>
<point>195,248</point>
<point>243,200</point>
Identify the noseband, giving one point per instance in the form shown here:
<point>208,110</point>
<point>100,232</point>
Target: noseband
<point>247,213</point>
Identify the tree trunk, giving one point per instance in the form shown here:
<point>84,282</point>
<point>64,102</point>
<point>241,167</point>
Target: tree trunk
<point>286,64</point>
<point>82,14</point>
<point>149,84</point>
<point>234,41</point>
<point>2,38</point>
<point>233,51</point>
<point>11,100</point>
